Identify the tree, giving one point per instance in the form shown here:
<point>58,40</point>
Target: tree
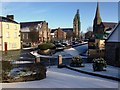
<point>34,34</point>
<point>89,28</point>
<point>89,33</point>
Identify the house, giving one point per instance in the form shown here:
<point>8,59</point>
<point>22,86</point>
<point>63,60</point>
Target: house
<point>108,27</point>
<point>9,33</point>
<point>61,34</point>
<point>112,47</point>
<point>33,33</point>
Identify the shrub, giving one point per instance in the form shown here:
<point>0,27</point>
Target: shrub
<point>36,71</point>
<point>99,64</point>
<point>45,46</point>
<point>76,61</point>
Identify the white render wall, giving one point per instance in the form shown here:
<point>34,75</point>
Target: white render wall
<point>115,37</point>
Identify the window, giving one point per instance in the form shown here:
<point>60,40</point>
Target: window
<point>7,26</point>
<point>14,45</point>
<point>15,35</point>
<point>7,35</point>
<point>15,27</point>
<point>26,35</point>
<point>23,36</point>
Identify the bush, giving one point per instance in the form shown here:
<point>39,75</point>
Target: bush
<point>76,61</point>
<point>45,46</point>
<point>99,64</point>
<point>6,67</point>
<point>36,71</point>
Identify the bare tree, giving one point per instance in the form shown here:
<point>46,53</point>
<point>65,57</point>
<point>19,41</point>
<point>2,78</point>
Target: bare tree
<point>89,33</point>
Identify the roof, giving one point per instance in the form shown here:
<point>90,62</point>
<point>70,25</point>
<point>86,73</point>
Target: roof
<point>64,29</point>
<point>53,30</point>
<point>109,24</point>
<point>114,29</point>
<point>67,29</point>
<point>4,19</point>
<point>28,24</point>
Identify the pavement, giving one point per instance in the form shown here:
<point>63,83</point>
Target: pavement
<point>110,73</point>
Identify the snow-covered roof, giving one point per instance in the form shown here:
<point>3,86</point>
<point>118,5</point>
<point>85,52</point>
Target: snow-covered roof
<point>115,34</point>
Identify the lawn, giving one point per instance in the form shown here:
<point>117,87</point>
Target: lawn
<point>11,55</point>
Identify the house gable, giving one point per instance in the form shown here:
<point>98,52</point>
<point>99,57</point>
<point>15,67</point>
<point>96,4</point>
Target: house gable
<point>115,34</point>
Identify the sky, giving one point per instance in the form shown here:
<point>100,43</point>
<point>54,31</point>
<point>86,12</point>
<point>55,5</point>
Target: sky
<point>60,14</point>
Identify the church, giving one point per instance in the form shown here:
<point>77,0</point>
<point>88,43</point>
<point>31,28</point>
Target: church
<point>101,29</point>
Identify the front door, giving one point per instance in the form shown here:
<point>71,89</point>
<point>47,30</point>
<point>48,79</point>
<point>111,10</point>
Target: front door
<point>5,45</point>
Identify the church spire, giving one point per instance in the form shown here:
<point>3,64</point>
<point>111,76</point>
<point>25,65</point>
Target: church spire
<point>97,16</point>
<point>98,27</point>
<point>76,24</point>
<point>77,11</point>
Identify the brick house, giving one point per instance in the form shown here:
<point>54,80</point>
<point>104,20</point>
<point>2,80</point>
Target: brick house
<point>34,32</point>
<point>62,33</point>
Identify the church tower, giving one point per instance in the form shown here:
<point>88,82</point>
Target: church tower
<point>76,25</point>
<point>98,27</point>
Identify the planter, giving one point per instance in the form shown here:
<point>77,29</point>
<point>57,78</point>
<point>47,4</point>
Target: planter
<point>99,64</point>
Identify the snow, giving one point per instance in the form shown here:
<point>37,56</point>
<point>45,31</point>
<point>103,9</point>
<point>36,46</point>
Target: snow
<point>110,70</point>
<point>38,55</point>
<point>72,52</point>
<point>21,62</point>
<point>65,78</point>
<point>67,53</point>
<point>114,35</point>
<point>64,55</point>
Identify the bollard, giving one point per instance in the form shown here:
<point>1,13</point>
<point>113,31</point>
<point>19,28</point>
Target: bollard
<point>60,65</point>
<point>37,60</point>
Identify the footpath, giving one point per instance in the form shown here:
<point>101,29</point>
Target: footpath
<point>111,72</point>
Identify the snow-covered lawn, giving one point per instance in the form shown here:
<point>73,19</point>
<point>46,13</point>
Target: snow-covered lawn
<point>65,78</point>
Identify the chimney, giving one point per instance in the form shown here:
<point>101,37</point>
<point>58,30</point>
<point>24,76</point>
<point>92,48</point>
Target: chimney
<point>11,17</point>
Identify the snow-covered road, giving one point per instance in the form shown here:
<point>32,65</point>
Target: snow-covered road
<point>64,78</point>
